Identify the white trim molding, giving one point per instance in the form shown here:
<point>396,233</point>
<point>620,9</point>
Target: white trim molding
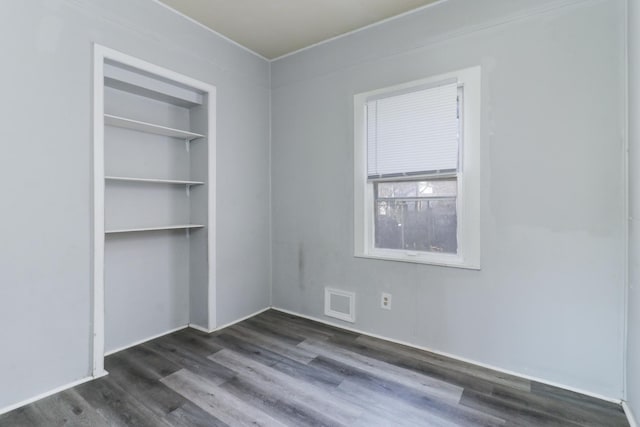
<point>211,30</point>
<point>144,340</point>
<point>226,325</point>
<point>467,177</point>
<point>629,413</point>
<point>249,316</point>
<point>454,357</point>
<point>101,54</point>
<point>104,373</point>
<point>627,409</point>
<point>490,24</point>
<point>200,328</point>
<point>47,394</point>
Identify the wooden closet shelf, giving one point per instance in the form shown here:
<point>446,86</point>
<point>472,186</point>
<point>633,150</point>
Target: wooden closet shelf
<point>166,227</point>
<point>123,122</point>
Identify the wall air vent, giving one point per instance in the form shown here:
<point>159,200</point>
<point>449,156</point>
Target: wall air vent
<point>340,304</point>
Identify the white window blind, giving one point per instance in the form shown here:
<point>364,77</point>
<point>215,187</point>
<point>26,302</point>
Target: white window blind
<point>413,133</point>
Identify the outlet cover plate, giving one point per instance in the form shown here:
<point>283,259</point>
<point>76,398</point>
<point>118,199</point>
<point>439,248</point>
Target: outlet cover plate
<point>385,301</point>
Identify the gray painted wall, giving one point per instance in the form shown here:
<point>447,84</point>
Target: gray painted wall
<point>45,171</point>
<point>633,339</point>
<point>549,300</point>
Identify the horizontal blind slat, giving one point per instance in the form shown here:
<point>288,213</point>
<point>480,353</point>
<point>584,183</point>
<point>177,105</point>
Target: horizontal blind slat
<point>413,132</point>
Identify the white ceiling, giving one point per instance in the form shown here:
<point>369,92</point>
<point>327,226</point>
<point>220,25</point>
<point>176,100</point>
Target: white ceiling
<point>274,28</point>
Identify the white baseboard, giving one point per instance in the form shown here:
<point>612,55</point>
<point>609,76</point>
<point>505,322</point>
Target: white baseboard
<point>199,328</point>
<point>625,406</point>
<point>103,373</point>
<point>453,356</point>
<point>144,340</point>
<point>242,319</point>
<point>629,414</point>
<point>46,394</point>
<point>226,325</point>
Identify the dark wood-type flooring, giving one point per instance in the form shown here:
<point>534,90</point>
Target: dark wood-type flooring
<point>275,369</point>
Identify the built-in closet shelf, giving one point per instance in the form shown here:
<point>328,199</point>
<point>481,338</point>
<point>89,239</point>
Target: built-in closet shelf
<point>123,122</point>
<point>152,180</point>
<point>135,83</point>
<point>166,227</point>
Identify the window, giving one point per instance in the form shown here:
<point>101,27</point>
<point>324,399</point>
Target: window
<point>417,171</point>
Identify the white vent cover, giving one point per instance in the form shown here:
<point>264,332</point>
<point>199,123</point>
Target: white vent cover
<point>340,304</point>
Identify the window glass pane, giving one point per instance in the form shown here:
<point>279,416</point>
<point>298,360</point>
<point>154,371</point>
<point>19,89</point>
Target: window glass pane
<point>432,188</point>
<point>417,216</point>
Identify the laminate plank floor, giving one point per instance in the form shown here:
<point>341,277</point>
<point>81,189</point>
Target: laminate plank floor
<point>277,369</point>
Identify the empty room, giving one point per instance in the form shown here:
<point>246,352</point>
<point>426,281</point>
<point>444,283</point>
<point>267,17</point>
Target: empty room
<point>320,213</point>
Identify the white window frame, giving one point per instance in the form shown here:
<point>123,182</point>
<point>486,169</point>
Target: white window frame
<point>468,179</point>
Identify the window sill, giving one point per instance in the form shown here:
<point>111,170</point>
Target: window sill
<point>442,260</point>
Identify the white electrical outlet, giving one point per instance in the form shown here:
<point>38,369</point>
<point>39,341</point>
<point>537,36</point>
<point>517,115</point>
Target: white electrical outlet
<point>385,301</point>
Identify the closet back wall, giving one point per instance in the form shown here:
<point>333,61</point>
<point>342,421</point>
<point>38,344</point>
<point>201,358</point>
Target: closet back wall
<point>146,274</point>
<point>45,171</point>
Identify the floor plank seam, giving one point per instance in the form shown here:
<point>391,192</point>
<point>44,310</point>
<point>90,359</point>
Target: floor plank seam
<point>279,369</point>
